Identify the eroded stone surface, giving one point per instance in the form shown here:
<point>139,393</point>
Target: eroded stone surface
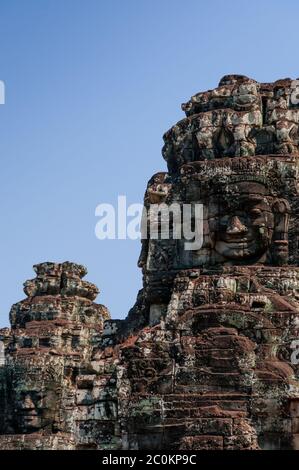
<point>240,117</point>
<point>206,359</point>
<point>53,334</point>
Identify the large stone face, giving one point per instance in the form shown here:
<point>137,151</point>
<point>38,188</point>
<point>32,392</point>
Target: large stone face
<point>206,359</point>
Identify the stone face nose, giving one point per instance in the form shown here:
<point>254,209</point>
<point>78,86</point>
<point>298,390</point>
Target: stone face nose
<point>27,403</point>
<point>235,226</point>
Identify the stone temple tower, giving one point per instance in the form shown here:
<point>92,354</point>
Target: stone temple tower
<point>48,353</point>
<point>207,358</point>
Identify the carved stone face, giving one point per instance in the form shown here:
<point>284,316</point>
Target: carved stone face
<point>35,409</point>
<point>36,395</point>
<point>241,222</point>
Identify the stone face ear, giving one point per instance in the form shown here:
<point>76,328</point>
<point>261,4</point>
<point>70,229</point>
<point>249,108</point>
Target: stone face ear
<point>280,243</point>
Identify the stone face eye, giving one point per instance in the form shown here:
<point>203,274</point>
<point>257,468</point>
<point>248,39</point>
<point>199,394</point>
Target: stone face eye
<point>256,212</point>
<point>224,221</point>
<point>204,359</point>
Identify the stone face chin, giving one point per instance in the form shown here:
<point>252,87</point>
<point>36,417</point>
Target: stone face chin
<point>206,358</point>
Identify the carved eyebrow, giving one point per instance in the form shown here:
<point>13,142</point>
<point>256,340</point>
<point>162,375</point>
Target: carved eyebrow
<point>252,201</point>
<point>252,197</point>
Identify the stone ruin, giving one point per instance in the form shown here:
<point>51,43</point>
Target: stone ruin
<point>207,357</point>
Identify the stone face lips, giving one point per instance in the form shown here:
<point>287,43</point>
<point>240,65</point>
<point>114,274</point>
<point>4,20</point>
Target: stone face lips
<point>207,357</point>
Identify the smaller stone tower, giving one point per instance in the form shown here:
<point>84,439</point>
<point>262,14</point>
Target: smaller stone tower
<point>54,332</point>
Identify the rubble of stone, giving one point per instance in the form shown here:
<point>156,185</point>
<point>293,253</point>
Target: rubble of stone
<point>206,359</point>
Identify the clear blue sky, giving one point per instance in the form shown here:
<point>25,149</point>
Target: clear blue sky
<point>91,85</point>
